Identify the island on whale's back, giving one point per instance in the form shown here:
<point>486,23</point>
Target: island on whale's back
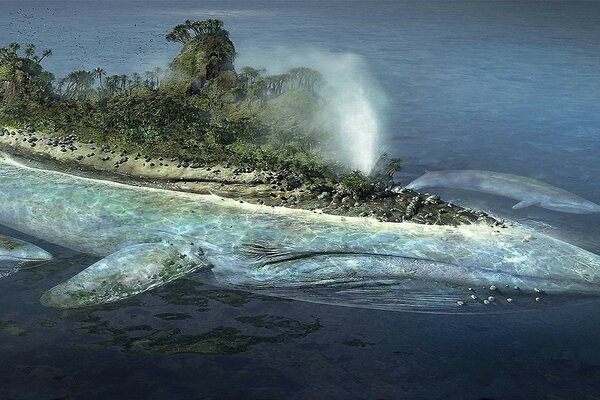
<point>202,126</point>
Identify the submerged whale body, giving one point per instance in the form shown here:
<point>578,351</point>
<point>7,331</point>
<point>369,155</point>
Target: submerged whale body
<point>148,237</point>
<point>529,192</point>
<point>15,252</point>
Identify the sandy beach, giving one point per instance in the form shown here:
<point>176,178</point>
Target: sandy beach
<point>98,160</point>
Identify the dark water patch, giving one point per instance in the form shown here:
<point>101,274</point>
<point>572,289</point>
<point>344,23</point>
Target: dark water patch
<point>591,370</point>
<point>357,343</point>
<point>173,316</point>
<point>222,340</point>
<point>288,326</point>
<point>183,292</point>
<point>233,298</point>
<point>90,314</point>
<point>12,328</point>
<point>47,323</point>
<point>237,298</point>
<point>189,292</point>
<point>404,353</point>
<point>132,326</point>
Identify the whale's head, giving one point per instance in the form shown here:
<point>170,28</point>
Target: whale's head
<point>428,179</point>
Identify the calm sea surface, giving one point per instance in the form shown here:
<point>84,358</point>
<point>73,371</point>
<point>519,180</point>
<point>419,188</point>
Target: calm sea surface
<point>510,86</point>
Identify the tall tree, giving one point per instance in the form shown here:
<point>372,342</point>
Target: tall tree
<point>136,79</point>
<point>252,74</point>
<point>14,47</point>
<point>149,79</point>
<point>112,83</point>
<point>123,80</point>
<point>157,72</point>
<point>77,85</point>
<point>30,51</point>
<point>23,75</point>
<point>99,73</point>
<point>45,53</point>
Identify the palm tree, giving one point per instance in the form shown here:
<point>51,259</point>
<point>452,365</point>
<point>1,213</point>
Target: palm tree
<point>305,78</point>
<point>210,27</point>
<point>252,74</point>
<point>123,80</point>
<point>136,79</point>
<point>393,166</point>
<point>99,73</point>
<point>112,83</point>
<point>149,79</point>
<point>157,72</point>
<point>78,84</point>
<point>45,53</point>
<point>14,47</point>
<point>214,26</point>
<point>30,51</point>
<point>179,34</point>
<point>196,26</point>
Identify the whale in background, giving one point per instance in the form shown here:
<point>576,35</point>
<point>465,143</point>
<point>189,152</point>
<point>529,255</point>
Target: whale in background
<point>529,192</point>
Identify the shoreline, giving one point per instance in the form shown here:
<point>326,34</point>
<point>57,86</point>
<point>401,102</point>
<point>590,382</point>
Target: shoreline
<point>69,154</point>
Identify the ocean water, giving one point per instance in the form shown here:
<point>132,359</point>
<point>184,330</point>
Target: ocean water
<point>510,86</point>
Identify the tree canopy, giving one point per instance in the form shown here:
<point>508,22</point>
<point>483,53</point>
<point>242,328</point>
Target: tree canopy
<point>247,119</point>
<point>22,75</point>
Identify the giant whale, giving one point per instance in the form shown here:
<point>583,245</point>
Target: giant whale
<point>528,191</point>
<point>145,237</point>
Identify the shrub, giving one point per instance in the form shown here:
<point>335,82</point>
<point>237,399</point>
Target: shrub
<point>356,183</point>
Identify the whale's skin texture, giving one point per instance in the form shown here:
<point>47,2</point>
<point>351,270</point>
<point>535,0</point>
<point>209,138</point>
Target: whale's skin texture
<point>527,191</point>
<point>289,253</point>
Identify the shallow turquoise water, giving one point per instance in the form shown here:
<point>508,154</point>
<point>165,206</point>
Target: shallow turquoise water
<point>506,86</point>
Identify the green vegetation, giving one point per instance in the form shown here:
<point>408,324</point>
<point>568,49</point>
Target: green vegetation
<point>356,183</point>
<point>199,110</point>
<point>207,54</point>
<point>25,88</point>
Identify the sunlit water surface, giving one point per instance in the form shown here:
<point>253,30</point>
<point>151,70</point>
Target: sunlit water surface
<point>506,86</point>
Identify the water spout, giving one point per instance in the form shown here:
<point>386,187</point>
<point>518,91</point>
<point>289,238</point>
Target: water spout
<point>357,127</point>
<point>353,100</point>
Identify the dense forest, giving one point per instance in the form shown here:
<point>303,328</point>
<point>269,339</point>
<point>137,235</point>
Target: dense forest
<point>199,109</point>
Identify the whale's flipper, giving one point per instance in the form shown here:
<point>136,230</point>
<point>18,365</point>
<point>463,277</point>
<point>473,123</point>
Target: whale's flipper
<point>125,273</point>
<point>15,252</point>
<point>525,203</point>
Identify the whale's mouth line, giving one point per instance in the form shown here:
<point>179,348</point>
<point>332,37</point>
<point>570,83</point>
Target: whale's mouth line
<point>268,254</point>
<point>23,259</point>
<point>308,255</point>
